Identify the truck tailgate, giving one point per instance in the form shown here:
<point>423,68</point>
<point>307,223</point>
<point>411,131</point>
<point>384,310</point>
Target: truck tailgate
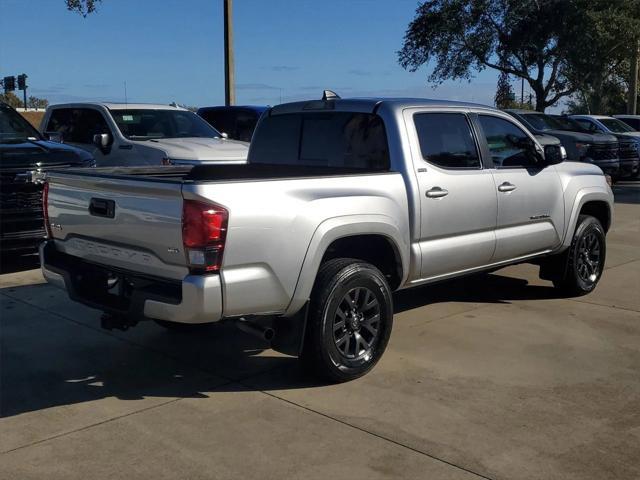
<point>128,223</point>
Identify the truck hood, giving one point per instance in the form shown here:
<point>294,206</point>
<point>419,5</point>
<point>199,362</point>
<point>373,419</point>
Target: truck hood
<point>203,149</point>
<point>581,137</point>
<point>40,154</point>
<point>545,140</point>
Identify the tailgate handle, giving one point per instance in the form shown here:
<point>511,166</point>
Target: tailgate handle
<point>101,207</point>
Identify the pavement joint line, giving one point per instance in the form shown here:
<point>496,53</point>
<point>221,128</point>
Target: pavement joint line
<point>377,435</point>
<point>622,264</point>
<point>602,305</point>
<point>87,427</point>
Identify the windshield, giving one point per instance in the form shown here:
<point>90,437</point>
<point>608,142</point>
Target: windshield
<point>540,121</point>
<point>14,128</point>
<point>615,125</point>
<point>570,125</point>
<point>139,124</point>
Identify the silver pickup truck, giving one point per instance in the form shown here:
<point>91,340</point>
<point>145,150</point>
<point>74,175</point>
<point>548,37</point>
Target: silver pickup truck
<point>342,202</point>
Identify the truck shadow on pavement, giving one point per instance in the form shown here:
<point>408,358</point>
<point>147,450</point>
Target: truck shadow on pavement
<point>55,354</point>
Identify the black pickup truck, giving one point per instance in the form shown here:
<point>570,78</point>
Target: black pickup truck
<point>24,155</point>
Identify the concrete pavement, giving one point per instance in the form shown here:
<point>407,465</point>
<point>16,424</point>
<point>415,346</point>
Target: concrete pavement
<point>485,377</point>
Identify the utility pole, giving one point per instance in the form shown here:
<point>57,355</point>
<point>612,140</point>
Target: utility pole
<point>632,104</point>
<point>229,64</point>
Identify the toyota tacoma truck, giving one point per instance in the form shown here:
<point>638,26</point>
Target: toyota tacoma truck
<point>342,202</point>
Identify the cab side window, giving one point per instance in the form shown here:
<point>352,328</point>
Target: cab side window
<point>77,125</point>
<point>508,144</point>
<point>589,125</point>
<point>446,140</point>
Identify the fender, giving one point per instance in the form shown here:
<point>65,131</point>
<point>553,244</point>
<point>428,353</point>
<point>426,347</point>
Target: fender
<point>583,196</point>
<point>339,227</point>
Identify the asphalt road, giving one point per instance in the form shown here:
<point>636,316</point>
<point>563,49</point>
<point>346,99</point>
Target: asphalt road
<point>493,376</point>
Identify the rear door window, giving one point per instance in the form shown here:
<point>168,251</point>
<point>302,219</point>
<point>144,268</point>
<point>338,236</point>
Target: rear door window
<point>446,140</point>
<point>331,139</point>
<point>77,125</point>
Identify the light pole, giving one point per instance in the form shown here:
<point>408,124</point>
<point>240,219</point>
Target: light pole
<point>229,67</point>
<point>632,104</point>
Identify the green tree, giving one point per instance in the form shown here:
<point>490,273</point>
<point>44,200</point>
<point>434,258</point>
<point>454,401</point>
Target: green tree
<point>599,67</point>
<point>548,43</point>
<point>11,99</point>
<point>35,102</point>
<point>505,98</point>
<point>83,7</point>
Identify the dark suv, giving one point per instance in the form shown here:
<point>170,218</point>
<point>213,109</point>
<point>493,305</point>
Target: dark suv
<point>599,149</point>
<point>238,122</point>
<point>23,155</point>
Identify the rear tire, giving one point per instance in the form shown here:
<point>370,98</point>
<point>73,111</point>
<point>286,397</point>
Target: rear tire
<point>584,261</point>
<point>350,320</point>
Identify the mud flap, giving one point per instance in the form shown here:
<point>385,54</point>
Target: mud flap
<point>289,332</point>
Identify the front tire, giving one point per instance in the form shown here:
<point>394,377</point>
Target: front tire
<point>584,261</point>
<point>350,320</point>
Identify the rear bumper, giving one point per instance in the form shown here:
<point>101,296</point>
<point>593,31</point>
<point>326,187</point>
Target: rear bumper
<point>195,299</point>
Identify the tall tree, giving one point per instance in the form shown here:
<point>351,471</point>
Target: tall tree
<point>545,42</point>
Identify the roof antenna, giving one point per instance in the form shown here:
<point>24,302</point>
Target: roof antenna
<point>330,95</point>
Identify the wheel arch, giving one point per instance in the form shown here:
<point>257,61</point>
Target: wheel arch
<point>362,237</point>
<point>590,201</point>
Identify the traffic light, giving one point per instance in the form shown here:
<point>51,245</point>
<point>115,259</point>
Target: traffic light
<point>22,82</point>
<point>9,84</point>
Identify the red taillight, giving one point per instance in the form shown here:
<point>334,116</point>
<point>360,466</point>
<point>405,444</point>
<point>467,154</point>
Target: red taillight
<point>45,209</point>
<point>204,230</point>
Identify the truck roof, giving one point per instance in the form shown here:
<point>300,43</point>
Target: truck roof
<point>118,106</point>
<point>368,105</point>
<point>522,111</point>
<point>591,116</point>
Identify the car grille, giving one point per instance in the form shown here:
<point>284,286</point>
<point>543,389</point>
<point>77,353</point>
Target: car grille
<point>607,151</point>
<point>628,150</point>
<point>20,208</point>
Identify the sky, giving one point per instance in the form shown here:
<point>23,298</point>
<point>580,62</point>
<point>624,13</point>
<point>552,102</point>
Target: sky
<point>172,50</point>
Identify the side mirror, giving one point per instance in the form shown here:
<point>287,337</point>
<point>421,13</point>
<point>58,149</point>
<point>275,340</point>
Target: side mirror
<point>224,135</point>
<point>54,137</point>
<point>102,141</point>
<point>554,154</point>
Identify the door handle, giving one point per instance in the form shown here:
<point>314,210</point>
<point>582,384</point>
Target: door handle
<point>437,192</point>
<point>100,207</point>
<point>506,187</point>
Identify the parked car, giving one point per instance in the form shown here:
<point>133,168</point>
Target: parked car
<point>140,134</point>
<point>238,122</point>
<point>628,148</point>
<point>341,202</point>
<point>632,120</point>
<point>24,154</point>
<point>599,149</point>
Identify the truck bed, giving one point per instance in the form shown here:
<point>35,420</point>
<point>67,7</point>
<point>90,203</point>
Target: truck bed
<point>218,173</point>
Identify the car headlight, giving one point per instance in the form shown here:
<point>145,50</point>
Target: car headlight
<point>582,148</point>
<point>563,153</point>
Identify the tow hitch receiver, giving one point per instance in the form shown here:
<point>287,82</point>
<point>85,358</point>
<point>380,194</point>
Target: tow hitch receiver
<point>110,321</point>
